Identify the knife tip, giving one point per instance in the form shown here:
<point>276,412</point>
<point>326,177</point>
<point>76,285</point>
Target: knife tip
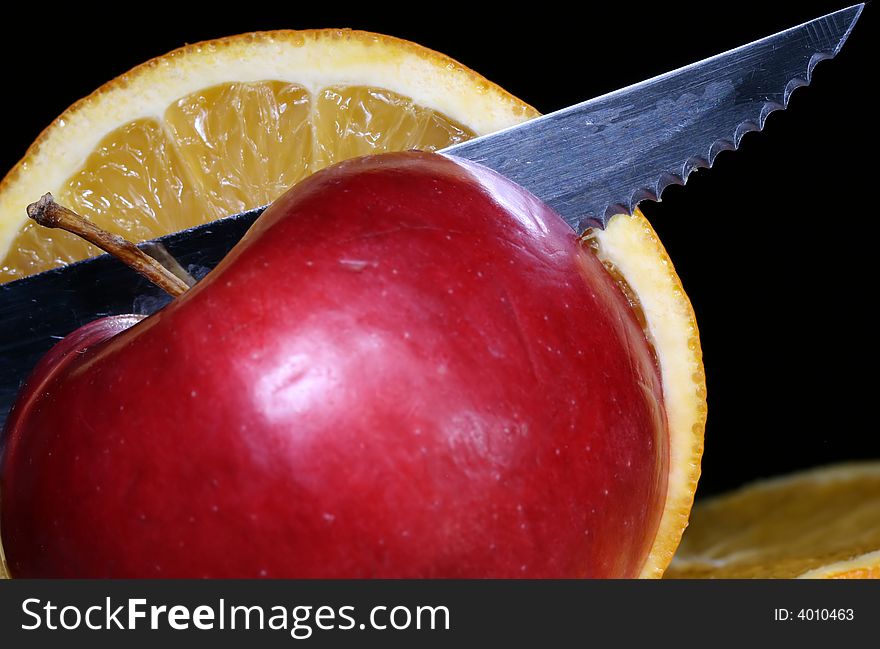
<point>848,17</point>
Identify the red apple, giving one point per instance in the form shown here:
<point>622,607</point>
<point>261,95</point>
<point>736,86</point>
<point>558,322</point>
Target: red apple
<point>410,367</point>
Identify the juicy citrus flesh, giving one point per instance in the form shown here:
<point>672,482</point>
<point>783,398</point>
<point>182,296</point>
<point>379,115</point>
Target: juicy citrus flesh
<point>219,127</point>
<point>221,151</point>
<point>821,523</point>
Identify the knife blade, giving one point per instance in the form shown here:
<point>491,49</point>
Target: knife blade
<point>604,156</point>
<point>588,161</point>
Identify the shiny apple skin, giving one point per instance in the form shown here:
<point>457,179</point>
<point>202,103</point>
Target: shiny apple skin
<point>410,367</point>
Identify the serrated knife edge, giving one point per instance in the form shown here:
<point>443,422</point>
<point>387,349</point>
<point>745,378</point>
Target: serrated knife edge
<point>512,153</point>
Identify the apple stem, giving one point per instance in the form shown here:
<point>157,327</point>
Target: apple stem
<point>50,214</point>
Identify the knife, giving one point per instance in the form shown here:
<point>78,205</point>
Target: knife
<point>589,162</point>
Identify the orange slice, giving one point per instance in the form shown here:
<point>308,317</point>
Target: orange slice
<point>822,523</point>
<point>218,127</point>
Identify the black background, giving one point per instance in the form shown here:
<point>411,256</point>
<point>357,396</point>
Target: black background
<point>775,245</point>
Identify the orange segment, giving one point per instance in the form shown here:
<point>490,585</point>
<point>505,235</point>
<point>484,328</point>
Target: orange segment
<point>819,523</point>
<point>133,183</point>
<point>244,143</point>
<point>350,122</point>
